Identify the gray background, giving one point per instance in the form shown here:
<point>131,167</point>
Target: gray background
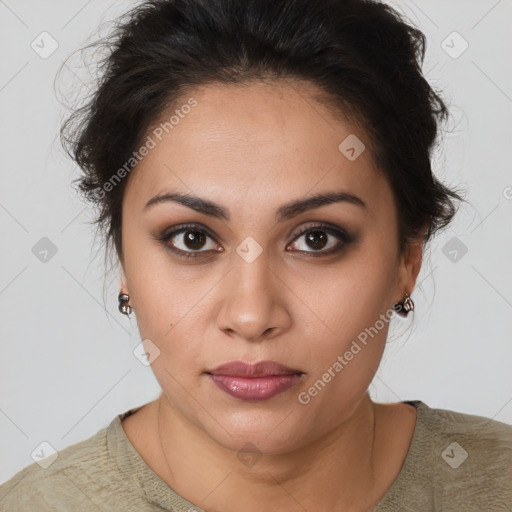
<point>67,364</point>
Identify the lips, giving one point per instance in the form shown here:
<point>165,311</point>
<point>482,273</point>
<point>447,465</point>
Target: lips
<point>254,382</point>
<point>260,369</point>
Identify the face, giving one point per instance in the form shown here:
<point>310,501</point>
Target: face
<point>246,277</point>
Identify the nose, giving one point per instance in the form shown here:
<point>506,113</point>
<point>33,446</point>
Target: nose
<point>254,302</point>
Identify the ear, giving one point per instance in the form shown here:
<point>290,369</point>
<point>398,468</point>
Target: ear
<point>410,265</point>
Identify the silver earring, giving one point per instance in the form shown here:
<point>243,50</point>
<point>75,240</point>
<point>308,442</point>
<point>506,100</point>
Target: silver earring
<point>403,308</point>
<point>124,308</point>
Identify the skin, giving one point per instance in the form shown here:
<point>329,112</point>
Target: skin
<point>252,149</point>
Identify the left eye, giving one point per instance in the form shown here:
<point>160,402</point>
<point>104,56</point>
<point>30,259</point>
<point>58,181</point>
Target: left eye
<point>317,239</point>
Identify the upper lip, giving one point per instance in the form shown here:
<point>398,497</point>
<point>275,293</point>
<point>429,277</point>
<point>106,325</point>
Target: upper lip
<point>259,369</point>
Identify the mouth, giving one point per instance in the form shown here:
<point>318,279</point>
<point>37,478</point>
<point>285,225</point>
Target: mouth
<point>254,382</point>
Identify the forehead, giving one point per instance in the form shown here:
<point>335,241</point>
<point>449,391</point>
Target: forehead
<point>273,137</point>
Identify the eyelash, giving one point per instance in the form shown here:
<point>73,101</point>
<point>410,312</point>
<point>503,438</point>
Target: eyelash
<point>337,232</point>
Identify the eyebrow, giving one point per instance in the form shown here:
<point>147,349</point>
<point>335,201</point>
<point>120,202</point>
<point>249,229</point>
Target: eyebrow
<point>285,212</point>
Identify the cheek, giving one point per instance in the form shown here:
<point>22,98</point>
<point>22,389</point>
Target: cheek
<point>172,322</point>
<point>352,312</point>
<point>163,292</point>
<point>343,362</point>
<point>352,348</point>
<point>351,295</point>
<point>169,303</point>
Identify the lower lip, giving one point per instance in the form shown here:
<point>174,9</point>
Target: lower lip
<point>255,388</point>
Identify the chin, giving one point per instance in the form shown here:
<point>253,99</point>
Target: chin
<point>269,432</point>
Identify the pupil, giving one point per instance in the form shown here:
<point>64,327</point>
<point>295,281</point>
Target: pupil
<point>318,239</point>
<point>194,239</point>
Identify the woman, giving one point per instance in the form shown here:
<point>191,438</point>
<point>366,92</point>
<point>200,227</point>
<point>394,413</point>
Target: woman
<point>262,171</point>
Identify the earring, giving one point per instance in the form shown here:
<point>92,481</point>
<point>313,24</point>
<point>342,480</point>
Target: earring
<point>124,308</point>
<point>403,308</point>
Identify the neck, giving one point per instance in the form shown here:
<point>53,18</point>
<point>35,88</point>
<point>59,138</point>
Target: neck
<point>333,473</point>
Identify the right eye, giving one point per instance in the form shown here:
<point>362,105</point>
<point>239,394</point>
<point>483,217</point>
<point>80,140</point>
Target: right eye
<point>186,241</point>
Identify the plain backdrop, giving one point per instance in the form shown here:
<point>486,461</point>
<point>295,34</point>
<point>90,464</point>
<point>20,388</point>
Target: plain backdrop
<point>67,364</point>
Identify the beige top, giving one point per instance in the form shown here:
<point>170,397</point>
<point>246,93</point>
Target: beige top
<point>456,462</point>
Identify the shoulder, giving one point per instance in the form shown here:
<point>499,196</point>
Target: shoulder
<point>84,476</point>
<point>456,461</point>
<point>469,459</point>
<point>482,438</point>
<point>40,486</point>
